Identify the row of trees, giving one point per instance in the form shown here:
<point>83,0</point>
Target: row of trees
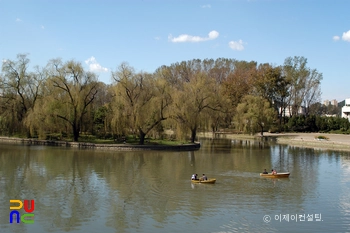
<point>314,123</point>
<point>188,96</point>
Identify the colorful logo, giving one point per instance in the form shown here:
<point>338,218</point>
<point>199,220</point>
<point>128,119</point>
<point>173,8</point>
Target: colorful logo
<point>25,218</point>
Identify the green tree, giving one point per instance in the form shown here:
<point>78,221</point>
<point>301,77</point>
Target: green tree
<point>272,85</point>
<point>101,112</point>
<point>254,114</point>
<point>20,90</point>
<point>141,101</point>
<point>76,90</point>
<point>191,101</point>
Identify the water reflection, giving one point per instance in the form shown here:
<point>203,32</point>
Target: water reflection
<point>91,191</point>
<point>344,204</point>
<point>191,157</point>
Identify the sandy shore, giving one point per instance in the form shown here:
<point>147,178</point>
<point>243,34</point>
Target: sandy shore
<point>309,140</point>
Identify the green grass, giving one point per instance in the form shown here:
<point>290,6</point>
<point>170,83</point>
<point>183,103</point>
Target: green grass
<point>163,142</point>
<point>131,141</point>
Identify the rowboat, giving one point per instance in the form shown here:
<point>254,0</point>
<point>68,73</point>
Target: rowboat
<point>208,181</point>
<point>278,175</point>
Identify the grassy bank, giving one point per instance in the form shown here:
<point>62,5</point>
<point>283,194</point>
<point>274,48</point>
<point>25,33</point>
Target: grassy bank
<point>131,141</point>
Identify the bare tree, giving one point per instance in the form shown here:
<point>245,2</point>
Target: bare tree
<point>312,90</point>
<point>304,83</point>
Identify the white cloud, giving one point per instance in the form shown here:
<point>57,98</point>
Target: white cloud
<point>206,6</point>
<point>346,36</point>
<point>188,38</point>
<point>236,45</point>
<point>18,20</point>
<point>157,38</point>
<point>94,66</point>
<point>42,27</point>
<point>336,38</point>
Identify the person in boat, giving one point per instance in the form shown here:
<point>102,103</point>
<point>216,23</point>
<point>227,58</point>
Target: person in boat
<point>204,177</point>
<point>194,177</point>
<point>273,172</point>
<point>265,172</point>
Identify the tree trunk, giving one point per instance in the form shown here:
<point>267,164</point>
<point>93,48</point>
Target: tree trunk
<point>142,137</point>
<point>193,134</point>
<point>213,131</point>
<point>262,131</point>
<point>76,130</point>
<point>280,115</point>
<point>29,135</point>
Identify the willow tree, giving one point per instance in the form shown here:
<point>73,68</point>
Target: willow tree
<point>254,114</point>
<point>74,90</point>
<point>191,101</point>
<point>141,101</point>
<point>216,115</point>
<point>42,119</point>
<point>197,86</point>
<point>20,89</point>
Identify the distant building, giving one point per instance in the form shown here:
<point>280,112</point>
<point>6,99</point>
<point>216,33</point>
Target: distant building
<point>332,102</point>
<point>288,111</point>
<point>345,111</point>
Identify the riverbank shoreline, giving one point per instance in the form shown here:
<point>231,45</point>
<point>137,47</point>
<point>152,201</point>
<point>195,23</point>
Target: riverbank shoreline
<point>306,140</point>
<point>311,140</point>
<point>86,145</point>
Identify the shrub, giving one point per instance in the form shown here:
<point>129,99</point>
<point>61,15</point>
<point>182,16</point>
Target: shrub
<point>321,137</point>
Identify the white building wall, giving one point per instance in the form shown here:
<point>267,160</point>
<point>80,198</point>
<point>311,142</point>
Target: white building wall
<point>288,111</point>
<point>345,111</point>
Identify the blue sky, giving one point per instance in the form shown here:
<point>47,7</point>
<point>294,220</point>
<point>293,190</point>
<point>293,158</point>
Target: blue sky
<point>150,33</point>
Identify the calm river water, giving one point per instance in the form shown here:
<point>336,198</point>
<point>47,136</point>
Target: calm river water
<point>107,191</point>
